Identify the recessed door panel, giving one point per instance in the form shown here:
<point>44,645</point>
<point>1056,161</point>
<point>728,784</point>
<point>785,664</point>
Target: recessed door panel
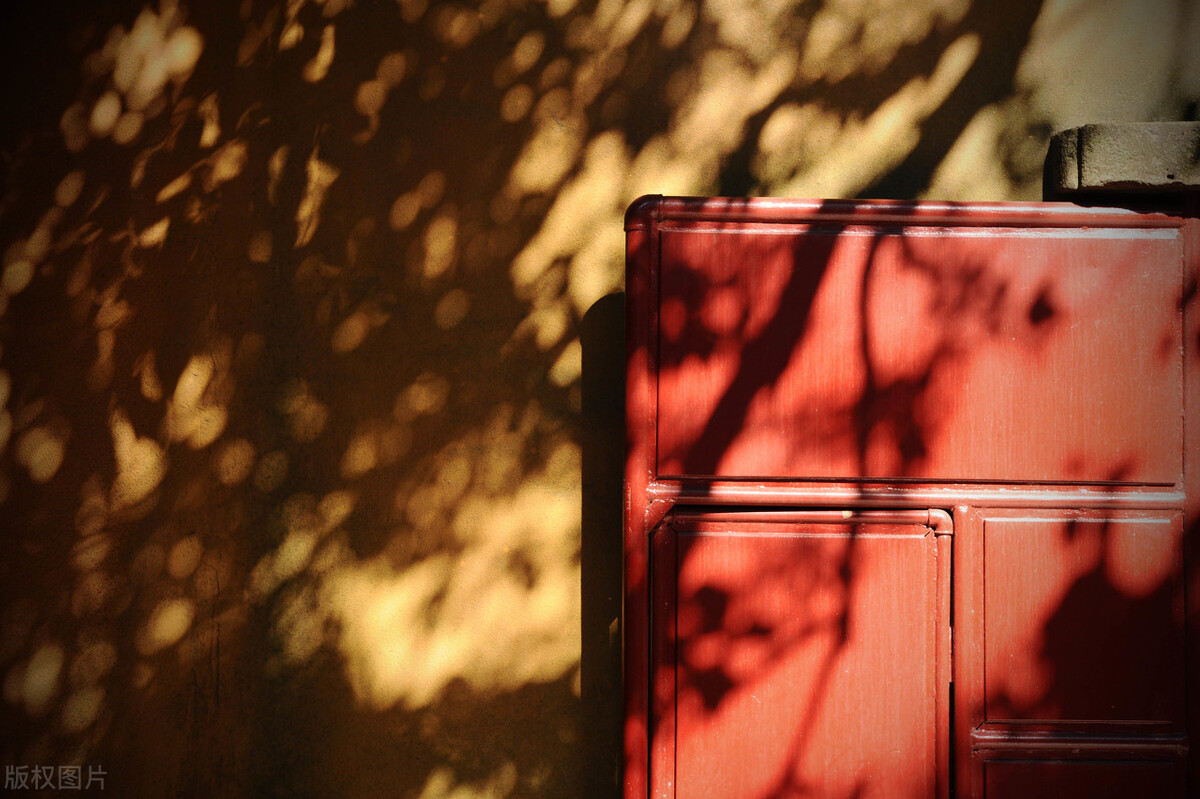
<point>1028,779</point>
<point>805,661</point>
<point>1084,618</point>
<point>942,353</point>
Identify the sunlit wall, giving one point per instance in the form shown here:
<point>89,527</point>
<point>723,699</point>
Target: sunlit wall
<point>305,485</point>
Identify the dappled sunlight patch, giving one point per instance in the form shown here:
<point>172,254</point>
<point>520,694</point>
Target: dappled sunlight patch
<point>92,512</point>
<point>128,127</point>
<point>501,613</point>
<point>452,308</point>
<point>40,450</point>
<point>305,414</point>
<point>82,709</point>
<point>680,18</point>
<point>412,10</point>
<point>960,175</point>
<point>23,256</point>
<point>156,234</point>
<point>372,94</point>
<point>597,268</point>
<point>568,366</point>
<point>380,603</point>
<point>184,557</point>
<point>504,438</point>
<point>455,25</point>
<point>292,35</point>
<point>441,244</point>
<point>69,188</point>
<point>319,177</point>
<point>157,53</point>
<point>275,165</point>
<point>140,461</point>
<point>442,784</point>
<point>167,624</point>
<point>17,276</point>
<point>424,396</point>
<point>174,188</point>
<point>392,68</point>
<point>404,210</point>
<point>226,164</point>
<point>516,103</point>
<point>524,56</point>
<point>432,188</point>
<point>285,562</point>
<point>209,112</point>
<point>195,413</point>
<point>89,552</point>
<point>585,205</point>
<point>148,382</point>
<point>499,619</point>
<point>547,324</point>
<point>104,114</point>
<point>316,69</point>
<point>305,522</point>
<point>870,147</point>
<point>794,137</point>
<point>374,446</point>
<point>299,626</point>
<point>40,679</point>
<point>549,153</point>
<point>352,331</point>
<point>234,462</point>
<point>93,661</point>
<point>848,37</point>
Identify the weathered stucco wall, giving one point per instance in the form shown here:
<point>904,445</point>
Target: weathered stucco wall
<point>310,437</point>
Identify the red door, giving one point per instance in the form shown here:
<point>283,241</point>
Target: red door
<point>821,397</point>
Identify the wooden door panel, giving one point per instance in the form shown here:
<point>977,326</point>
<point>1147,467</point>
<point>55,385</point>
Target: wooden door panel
<point>1028,779</point>
<point>938,353</point>
<point>805,661</point>
<point>1083,618</point>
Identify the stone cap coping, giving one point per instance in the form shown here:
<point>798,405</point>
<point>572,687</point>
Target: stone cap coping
<point>1124,158</point>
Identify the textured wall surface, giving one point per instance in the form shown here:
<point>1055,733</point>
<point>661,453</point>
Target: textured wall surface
<point>310,359</point>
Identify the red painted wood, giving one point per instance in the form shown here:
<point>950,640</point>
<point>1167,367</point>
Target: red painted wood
<point>1069,645</point>
<point>1032,367</point>
<point>1189,302</point>
<point>906,352</point>
<point>1081,616</point>
<point>1024,779</point>
<point>805,660</point>
<point>641,416</point>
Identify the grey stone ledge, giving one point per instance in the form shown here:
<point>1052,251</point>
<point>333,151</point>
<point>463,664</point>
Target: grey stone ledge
<point>1125,158</point>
